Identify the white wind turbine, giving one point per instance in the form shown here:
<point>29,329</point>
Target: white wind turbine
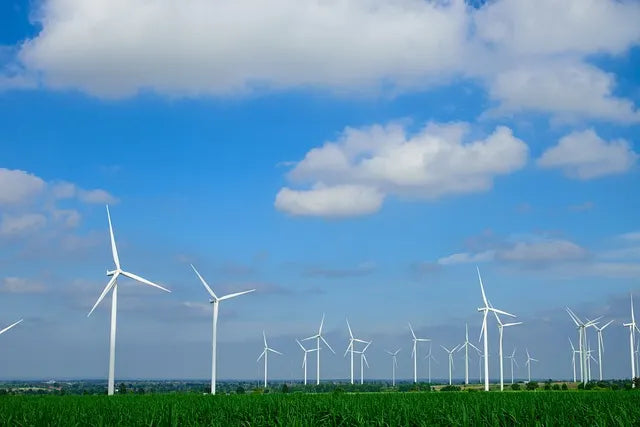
<point>589,359</point>
<point>265,354</point>
<point>215,301</point>
<point>350,347</point>
<point>414,352</point>
<point>466,346</point>
<point>450,359</point>
<point>632,331</point>
<point>573,359</point>
<point>363,361</point>
<point>394,365</point>
<point>486,309</point>
<point>304,359</point>
<point>114,302</point>
<point>528,363</point>
<point>429,358</point>
<point>318,337</point>
<point>501,327</point>
<point>601,345</point>
<point>582,341</point>
<point>513,361</point>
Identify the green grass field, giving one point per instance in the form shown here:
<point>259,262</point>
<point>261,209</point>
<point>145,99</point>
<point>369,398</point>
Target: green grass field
<point>589,408</point>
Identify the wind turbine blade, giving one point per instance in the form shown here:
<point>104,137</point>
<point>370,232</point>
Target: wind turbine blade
<point>321,324</point>
<point>206,285</point>
<point>310,338</point>
<point>435,360</point>
<point>388,352</point>
<point>513,354</point>
<point>495,310</point>
<point>606,324</point>
<point>366,347</point>
<point>575,318</point>
<point>349,326</point>
<point>114,250</point>
<point>445,348</point>
<point>484,322</point>
<point>325,341</point>
<point>348,348</point>
<point>10,326</point>
<point>534,360</point>
<point>274,351</point>
<point>516,363</point>
<point>484,297</point>
<point>237,294</point>
<point>104,292</point>
<point>633,317</point>
<point>301,346</point>
<point>477,349</point>
<point>497,318</point>
<point>572,347</point>
<point>412,333</point>
<point>261,354</point>
<point>142,280</point>
<point>364,357</point>
<point>512,324</point>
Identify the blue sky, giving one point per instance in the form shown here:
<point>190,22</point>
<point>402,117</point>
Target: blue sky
<point>353,160</point>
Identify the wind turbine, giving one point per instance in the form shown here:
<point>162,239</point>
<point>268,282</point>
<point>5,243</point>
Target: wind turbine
<point>414,352</point>
<point>632,331</point>
<point>265,354</point>
<point>573,359</point>
<point>601,345</point>
<point>215,301</point>
<point>394,365</point>
<point>319,337</point>
<point>114,302</point>
<point>513,361</point>
<point>589,359</point>
<point>304,359</point>
<point>582,341</point>
<point>486,309</point>
<point>528,363</point>
<point>450,359</point>
<point>501,327</point>
<point>466,346</point>
<point>350,347</point>
<point>429,358</point>
<point>363,361</point>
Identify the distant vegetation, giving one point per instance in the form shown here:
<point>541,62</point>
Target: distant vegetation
<point>337,408</point>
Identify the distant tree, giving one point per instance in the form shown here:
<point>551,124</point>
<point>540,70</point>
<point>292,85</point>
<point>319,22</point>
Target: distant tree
<point>140,390</point>
<point>284,388</point>
<point>564,387</point>
<point>556,387</point>
<point>122,388</point>
<point>532,385</point>
<point>636,382</point>
<point>240,390</point>
<point>515,386</point>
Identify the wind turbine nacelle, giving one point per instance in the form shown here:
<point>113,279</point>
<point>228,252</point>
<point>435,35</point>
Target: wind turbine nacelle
<point>211,301</point>
<point>111,272</point>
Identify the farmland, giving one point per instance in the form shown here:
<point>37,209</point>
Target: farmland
<point>418,408</point>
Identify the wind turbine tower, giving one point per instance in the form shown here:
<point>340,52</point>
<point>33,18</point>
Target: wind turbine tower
<point>319,337</point>
<point>414,352</point>
<point>394,365</point>
<point>265,354</point>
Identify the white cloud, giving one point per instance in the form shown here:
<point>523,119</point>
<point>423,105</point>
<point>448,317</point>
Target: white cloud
<point>15,225</point>
<point>17,187</point>
<point>467,258</point>
<point>633,236</point>
<point>117,48</point>
<point>67,190</point>
<point>569,88</point>
<point>535,252</point>
<point>18,285</point>
<point>352,175</point>
<point>584,155</point>
<point>336,201</point>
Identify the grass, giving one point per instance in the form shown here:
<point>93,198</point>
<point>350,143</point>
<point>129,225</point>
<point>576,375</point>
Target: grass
<point>345,409</point>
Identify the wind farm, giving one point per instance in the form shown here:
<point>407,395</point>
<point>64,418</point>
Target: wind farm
<point>319,213</point>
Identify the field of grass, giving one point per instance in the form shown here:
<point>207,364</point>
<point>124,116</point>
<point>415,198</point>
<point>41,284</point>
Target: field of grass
<point>588,408</point>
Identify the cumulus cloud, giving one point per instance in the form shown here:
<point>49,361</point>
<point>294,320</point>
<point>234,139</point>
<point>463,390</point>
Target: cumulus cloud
<point>334,201</point>
<point>15,225</point>
<point>568,88</point>
<point>117,48</point>
<point>352,175</point>
<point>18,186</point>
<point>584,155</point>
